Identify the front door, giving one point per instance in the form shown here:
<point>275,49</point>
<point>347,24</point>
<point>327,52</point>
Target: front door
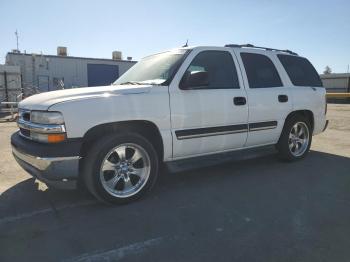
<point>210,118</point>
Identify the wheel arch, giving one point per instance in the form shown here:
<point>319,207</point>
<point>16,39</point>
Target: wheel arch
<point>282,144</point>
<point>143,127</point>
<point>305,113</point>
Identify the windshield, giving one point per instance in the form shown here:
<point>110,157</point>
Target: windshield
<point>155,69</point>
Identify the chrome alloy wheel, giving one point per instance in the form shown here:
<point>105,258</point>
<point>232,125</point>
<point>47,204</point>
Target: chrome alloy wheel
<point>125,170</point>
<point>299,138</point>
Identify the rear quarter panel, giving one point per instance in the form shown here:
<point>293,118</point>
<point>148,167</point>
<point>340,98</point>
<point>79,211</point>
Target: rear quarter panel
<point>307,98</point>
<point>313,99</point>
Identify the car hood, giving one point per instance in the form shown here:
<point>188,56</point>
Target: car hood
<point>45,100</point>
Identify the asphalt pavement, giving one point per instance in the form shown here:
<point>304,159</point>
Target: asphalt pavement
<point>257,209</point>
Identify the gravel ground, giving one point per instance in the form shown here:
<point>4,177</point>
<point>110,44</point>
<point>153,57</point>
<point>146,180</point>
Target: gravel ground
<point>259,209</point>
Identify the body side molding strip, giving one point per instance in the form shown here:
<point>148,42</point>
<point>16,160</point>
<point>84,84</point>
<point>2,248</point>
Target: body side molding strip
<point>262,125</point>
<point>224,130</point>
<point>211,131</point>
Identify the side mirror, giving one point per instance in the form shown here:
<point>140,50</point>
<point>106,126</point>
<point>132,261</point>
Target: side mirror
<point>195,79</point>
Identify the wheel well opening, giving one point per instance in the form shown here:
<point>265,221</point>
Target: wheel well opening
<point>305,113</point>
<point>145,128</point>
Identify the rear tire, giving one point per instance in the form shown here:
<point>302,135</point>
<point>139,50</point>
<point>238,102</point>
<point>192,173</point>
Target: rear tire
<point>296,138</point>
<point>120,168</point>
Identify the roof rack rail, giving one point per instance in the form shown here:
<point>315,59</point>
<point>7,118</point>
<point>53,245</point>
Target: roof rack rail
<point>260,47</point>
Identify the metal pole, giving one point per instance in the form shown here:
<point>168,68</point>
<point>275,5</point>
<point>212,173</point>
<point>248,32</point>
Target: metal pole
<point>6,91</point>
<point>12,112</point>
<point>16,33</point>
<point>22,89</point>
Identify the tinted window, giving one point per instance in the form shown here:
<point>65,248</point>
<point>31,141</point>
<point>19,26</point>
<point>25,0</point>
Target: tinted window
<point>300,71</point>
<point>221,69</point>
<point>260,70</point>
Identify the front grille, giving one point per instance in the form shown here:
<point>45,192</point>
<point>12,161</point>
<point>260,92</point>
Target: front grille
<point>24,115</point>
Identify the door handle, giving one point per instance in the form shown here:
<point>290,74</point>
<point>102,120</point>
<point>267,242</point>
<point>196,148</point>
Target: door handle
<point>239,101</point>
<point>283,98</point>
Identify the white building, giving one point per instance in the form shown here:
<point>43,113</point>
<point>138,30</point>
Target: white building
<point>41,73</point>
<point>336,82</point>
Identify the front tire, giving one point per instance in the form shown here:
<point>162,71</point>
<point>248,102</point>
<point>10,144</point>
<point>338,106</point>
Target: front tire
<point>120,168</point>
<point>296,138</point>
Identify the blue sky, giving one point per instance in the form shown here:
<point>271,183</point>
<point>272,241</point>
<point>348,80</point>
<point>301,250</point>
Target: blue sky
<point>319,30</point>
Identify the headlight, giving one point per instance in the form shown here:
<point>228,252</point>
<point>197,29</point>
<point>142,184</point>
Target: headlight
<point>42,126</point>
<point>44,117</point>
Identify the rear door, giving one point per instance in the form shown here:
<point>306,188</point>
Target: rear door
<point>269,99</point>
<point>211,118</point>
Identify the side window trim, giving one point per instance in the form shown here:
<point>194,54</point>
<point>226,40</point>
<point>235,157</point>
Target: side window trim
<point>241,69</point>
<point>235,65</point>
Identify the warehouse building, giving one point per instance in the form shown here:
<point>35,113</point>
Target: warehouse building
<point>42,73</point>
<point>336,83</point>
<point>10,83</point>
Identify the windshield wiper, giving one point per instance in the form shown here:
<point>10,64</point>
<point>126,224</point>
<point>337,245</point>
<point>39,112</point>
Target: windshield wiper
<point>131,83</point>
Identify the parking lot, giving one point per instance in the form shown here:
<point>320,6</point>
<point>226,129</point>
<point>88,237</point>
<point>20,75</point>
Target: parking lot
<point>258,209</point>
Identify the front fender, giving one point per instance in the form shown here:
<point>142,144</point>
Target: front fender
<point>84,114</point>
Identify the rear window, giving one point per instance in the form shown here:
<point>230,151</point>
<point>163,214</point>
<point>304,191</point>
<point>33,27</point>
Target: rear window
<point>300,71</point>
<point>260,70</point>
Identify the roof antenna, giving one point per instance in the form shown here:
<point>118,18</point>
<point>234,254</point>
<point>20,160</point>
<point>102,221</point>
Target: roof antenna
<point>186,45</point>
<point>16,33</point>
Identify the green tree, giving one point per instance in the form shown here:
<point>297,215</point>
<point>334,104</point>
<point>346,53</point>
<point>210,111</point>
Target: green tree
<point>327,70</point>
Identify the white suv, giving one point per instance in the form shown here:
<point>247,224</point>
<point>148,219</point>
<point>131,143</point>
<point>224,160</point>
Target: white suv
<point>178,104</point>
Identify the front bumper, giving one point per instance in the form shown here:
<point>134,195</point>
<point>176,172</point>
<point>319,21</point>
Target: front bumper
<point>60,171</point>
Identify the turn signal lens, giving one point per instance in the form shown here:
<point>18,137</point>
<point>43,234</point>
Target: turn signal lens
<point>56,138</point>
<point>48,138</point>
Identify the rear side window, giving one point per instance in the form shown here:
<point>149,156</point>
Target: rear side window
<point>300,71</point>
<point>221,69</point>
<point>261,72</point>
